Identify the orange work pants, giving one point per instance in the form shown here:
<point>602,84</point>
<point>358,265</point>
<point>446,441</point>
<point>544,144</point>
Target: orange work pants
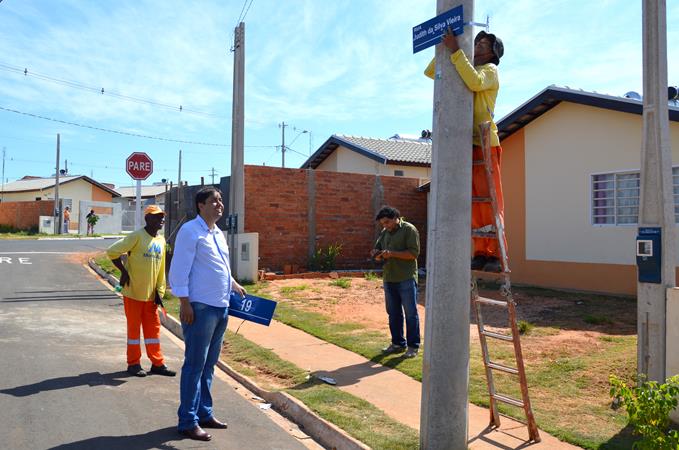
<point>144,315</point>
<point>482,213</point>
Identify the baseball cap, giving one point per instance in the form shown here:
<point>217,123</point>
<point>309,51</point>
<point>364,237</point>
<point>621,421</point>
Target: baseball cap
<point>153,209</point>
<point>498,46</point>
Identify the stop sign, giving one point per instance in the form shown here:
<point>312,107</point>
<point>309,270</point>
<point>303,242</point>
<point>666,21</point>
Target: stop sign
<point>139,166</point>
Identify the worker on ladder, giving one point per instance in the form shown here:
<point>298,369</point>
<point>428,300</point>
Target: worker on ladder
<point>482,79</point>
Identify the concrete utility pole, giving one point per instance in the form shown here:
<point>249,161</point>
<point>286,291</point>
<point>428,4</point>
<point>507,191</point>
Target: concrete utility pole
<point>213,174</point>
<point>2,194</point>
<point>179,187</point>
<point>57,212</point>
<point>282,127</point>
<point>237,184</point>
<point>445,372</point>
<point>656,207</point>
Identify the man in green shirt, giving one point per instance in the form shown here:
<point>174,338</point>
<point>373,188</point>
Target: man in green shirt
<point>399,246</point>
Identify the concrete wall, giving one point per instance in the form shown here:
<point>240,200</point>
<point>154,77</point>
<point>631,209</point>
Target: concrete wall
<point>345,160</point>
<point>297,210</point>
<point>24,215</point>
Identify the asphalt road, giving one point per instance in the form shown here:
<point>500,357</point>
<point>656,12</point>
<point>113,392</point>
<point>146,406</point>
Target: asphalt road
<point>63,383</point>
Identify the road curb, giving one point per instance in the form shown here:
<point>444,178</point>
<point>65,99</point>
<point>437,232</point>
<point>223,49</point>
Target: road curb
<point>322,431</point>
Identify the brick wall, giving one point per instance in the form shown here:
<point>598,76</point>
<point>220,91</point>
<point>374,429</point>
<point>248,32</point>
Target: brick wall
<point>296,210</point>
<point>25,215</point>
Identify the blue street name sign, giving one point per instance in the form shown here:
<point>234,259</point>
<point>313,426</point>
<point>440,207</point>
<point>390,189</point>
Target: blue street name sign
<point>431,32</point>
<point>255,309</point>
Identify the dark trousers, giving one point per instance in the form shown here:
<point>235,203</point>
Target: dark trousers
<point>401,300</point>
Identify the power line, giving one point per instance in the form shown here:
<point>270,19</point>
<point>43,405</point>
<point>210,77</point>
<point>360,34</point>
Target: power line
<point>287,148</point>
<point>126,133</point>
<point>271,156</point>
<point>246,11</point>
<point>102,91</point>
<point>241,16</point>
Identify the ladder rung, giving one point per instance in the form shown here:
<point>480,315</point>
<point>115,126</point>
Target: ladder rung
<point>484,235</point>
<point>503,368</point>
<point>481,199</point>
<point>509,400</point>
<point>502,337</point>
<point>490,301</point>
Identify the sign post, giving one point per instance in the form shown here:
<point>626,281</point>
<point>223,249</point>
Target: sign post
<point>139,166</point>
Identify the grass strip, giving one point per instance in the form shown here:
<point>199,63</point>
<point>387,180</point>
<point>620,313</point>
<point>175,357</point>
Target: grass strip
<point>563,388</point>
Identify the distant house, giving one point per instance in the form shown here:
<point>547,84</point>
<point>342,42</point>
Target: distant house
<point>150,195</point>
<point>72,190</point>
<point>396,156</point>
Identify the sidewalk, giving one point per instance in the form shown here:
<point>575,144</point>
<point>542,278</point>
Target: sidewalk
<point>369,381</point>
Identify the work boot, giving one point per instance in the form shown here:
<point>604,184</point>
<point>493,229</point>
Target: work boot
<point>492,265</point>
<point>411,353</point>
<point>136,370</point>
<point>163,370</point>
<point>393,348</point>
<point>478,262</point>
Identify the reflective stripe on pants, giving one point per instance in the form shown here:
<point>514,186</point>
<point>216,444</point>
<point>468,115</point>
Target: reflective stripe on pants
<point>142,315</point>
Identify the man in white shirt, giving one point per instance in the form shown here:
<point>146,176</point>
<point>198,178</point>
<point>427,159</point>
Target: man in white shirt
<point>200,276</point>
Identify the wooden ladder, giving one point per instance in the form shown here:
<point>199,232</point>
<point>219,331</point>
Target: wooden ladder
<point>498,232</point>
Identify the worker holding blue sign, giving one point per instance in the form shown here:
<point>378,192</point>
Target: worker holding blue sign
<point>200,276</point>
<point>482,79</point>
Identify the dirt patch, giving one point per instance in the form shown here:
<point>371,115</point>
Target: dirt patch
<point>81,258</point>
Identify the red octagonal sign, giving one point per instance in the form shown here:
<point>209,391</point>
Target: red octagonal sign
<point>139,166</point>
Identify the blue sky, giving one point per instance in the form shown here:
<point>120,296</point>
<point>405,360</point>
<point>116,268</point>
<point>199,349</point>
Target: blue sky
<point>342,67</point>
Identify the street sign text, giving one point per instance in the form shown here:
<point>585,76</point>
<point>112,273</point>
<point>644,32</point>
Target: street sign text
<point>431,32</point>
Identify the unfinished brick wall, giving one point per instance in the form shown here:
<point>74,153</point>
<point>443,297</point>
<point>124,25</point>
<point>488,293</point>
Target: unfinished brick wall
<point>297,210</point>
<point>25,215</point>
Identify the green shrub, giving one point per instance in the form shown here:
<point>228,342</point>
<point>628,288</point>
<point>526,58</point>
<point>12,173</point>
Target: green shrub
<point>291,289</point>
<point>525,327</point>
<point>371,276</point>
<point>344,283</point>
<point>325,259</point>
<point>648,407</point>
<point>7,229</point>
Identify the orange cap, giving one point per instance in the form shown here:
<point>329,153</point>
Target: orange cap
<point>153,209</point>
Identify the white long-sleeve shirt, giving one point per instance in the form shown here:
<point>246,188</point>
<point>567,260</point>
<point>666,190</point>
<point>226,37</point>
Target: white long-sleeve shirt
<point>200,264</point>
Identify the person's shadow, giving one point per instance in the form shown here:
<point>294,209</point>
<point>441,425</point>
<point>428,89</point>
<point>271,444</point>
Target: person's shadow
<point>153,439</point>
<point>84,379</point>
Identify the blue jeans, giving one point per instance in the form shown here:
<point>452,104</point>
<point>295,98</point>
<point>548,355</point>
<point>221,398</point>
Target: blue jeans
<point>402,297</point>
<point>203,343</point>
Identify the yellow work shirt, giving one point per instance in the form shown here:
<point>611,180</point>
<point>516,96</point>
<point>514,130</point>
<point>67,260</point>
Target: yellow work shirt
<point>483,82</point>
<point>145,264</point>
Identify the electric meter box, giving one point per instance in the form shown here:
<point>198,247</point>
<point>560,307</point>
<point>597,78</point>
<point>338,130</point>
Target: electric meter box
<point>649,244</point>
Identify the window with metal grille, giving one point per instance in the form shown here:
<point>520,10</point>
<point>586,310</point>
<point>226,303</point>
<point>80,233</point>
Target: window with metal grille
<point>615,198</point>
<point>398,173</point>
